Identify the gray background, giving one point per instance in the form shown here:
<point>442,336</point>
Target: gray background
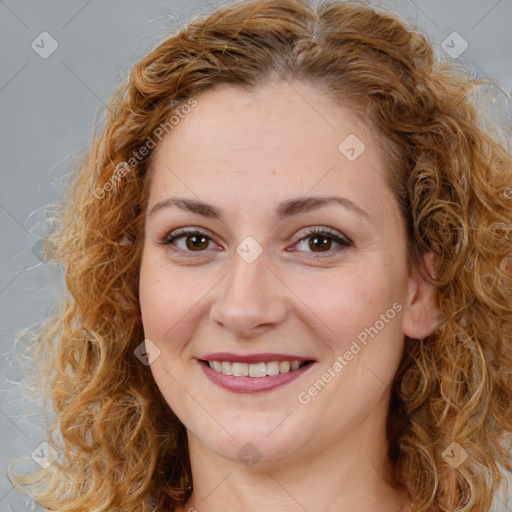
<point>48,106</point>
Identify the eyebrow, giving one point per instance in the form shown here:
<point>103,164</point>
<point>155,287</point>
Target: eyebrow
<point>285,209</point>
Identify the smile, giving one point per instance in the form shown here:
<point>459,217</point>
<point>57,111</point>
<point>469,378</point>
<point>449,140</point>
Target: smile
<point>253,377</point>
<point>255,370</point>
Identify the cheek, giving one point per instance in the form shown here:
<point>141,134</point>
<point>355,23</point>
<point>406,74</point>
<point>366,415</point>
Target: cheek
<point>363,311</point>
<point>171,300</point>
<point>162,298</point>
<point>167,308</point>
<point>347,301</point>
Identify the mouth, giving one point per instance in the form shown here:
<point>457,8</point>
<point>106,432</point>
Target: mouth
<point>255,373</point>
<point>255,370</point>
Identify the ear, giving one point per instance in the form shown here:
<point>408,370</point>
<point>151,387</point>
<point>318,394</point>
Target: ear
<point>421,315</point>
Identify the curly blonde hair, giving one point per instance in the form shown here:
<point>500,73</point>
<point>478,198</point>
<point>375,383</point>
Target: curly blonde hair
<point>116,437</point>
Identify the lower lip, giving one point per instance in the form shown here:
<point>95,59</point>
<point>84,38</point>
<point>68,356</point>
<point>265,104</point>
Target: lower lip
<point>252,384</point>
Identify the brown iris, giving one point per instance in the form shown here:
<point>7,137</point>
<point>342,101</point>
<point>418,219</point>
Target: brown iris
<point>314,240</point>
<point>194,245</point>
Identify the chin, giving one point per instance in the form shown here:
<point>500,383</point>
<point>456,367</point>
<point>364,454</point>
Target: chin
<point>250,446</point>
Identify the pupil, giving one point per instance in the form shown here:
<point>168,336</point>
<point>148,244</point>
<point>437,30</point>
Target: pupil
<point>315,241</point>
<point>194,245</point>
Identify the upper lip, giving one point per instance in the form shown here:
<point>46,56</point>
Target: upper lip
<point>252,358</point>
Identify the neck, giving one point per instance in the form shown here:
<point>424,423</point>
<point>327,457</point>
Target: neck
<point>345,476</point>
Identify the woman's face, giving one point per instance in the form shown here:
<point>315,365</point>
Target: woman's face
<point>251,174</point>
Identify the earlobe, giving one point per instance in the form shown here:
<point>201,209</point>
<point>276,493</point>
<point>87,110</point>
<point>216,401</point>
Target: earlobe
<point>421,314</point>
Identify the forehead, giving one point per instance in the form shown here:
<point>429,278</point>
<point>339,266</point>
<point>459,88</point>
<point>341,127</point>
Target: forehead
<point>280,140</point>
<point>278,116</point>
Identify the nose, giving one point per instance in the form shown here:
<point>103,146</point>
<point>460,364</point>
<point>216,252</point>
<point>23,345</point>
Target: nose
<point>250,299</point>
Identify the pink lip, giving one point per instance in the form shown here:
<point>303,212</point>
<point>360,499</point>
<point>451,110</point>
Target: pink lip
<point>252,358</point>
<point>252,384</point>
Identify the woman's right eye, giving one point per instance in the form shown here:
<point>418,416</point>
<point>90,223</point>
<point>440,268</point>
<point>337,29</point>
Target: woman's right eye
<point>193,240</point>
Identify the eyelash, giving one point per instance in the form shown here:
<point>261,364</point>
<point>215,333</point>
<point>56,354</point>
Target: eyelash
<point>342,240</point>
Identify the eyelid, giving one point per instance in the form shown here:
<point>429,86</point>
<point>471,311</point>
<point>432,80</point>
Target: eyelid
<point>189,230</point>
<point>306,232</point>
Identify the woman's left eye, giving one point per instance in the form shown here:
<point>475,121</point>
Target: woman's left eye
<point>321,240</point>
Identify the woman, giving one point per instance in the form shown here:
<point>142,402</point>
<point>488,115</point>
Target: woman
<point>288,257</point>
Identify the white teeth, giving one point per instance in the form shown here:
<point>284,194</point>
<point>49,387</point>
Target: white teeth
<point>255,369</point>
<point>284,366</point>
<point>273,368</point>
<point>226,368</point>
<point>258,370</point>
<point>240,369</point>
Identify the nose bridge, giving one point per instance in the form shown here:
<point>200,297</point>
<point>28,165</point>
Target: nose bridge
<point>248,297</point>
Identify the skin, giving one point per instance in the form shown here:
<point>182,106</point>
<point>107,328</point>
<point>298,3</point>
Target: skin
<point>245,153</point>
